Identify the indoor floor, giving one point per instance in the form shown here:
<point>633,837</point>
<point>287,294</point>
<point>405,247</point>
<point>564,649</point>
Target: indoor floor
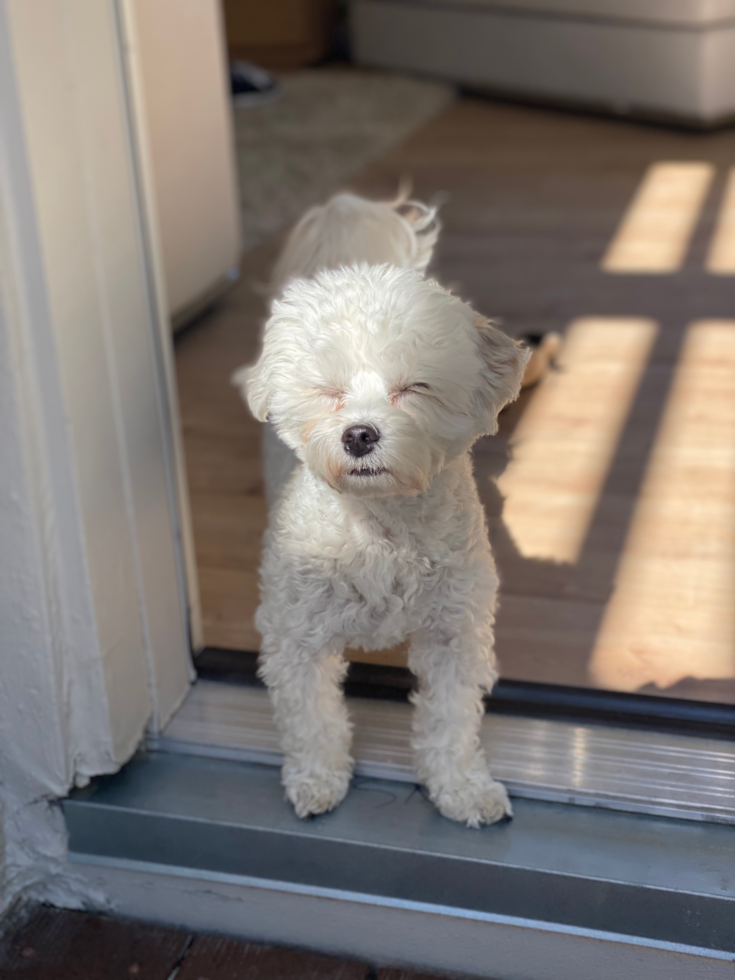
<point>610,490</point>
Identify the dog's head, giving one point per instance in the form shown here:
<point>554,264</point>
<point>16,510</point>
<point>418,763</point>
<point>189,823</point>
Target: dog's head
<point>377,378</point>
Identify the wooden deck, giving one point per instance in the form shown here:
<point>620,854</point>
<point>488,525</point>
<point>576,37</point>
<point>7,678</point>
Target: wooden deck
<point>55,944</point>
<point>610,491</point>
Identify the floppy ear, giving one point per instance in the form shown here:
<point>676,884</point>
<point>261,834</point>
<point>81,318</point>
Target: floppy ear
<point>252,384</point>
<point>503,362</point>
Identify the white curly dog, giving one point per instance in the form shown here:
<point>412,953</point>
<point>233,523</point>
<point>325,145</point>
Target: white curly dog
<point>377,381</point>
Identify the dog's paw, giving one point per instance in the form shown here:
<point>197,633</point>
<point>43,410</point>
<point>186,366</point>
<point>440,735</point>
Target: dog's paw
<point>312,794</point>
<point>474,801</point>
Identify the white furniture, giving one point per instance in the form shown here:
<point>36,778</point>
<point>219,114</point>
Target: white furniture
<point>670,59</point>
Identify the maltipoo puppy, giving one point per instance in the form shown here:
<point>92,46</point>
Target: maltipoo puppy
<point>378,381</point>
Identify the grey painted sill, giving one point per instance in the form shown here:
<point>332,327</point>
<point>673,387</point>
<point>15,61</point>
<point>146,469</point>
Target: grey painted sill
<point>660,887</point>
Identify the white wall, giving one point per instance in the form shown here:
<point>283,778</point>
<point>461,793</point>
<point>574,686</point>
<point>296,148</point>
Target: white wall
<point>93,629</point>
<point>186,110</point>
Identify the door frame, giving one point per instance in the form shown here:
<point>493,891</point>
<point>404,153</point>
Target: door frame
<point>96,554</point>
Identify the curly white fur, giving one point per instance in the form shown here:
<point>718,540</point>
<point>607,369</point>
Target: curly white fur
<point>348,230</point>
<point>370,550</point>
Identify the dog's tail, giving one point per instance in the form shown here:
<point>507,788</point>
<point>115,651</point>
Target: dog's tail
<point>350,230</point>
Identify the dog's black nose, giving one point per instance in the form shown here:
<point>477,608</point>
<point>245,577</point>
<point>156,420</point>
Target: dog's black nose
<point>359,440</point>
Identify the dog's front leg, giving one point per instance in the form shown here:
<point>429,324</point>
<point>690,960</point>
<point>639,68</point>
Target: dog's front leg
<point>454,668</point>
<point>306,691</point>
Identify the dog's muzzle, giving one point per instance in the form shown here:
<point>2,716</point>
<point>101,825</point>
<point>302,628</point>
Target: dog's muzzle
<point>359,440</point>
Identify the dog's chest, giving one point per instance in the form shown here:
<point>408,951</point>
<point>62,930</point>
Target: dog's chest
<point>381,577</point>
<point>371,573</point>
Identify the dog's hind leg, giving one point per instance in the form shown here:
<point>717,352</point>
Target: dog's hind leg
<point>311,714</point>
<point>454,669</point>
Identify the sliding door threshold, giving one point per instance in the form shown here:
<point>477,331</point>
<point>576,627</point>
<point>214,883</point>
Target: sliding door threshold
<point>656,773</point>
<point>583,705</point>
<point>560,892</point>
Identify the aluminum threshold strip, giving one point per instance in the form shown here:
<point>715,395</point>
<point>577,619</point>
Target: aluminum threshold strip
<point>615,768</point>
<point>203,824</point>
<point>685,716</point>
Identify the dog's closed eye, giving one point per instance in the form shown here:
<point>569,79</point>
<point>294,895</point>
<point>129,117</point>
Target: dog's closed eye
<point>416,388</point>
<point>413,389</point>
<point>331,391</point>
<point>334,394</point>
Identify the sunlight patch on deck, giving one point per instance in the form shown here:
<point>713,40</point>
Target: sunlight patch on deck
<point>654,235</point>
<point>567,438</point>
<point>672,614</point>
<point>721,256</point>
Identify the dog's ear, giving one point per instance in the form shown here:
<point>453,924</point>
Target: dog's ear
<point>251,383</point>
<point>503,362</point>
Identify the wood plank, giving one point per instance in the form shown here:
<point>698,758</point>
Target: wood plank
<point>398,974</point>
<point>721,255</point>
<point>229,600</point>
<point>654,233</point>
<point>672,616</point>
<point>43,943</point>
<point>576,415</point>
<point>58,944</point>
<point>212,958</point>
<point>229,527</point>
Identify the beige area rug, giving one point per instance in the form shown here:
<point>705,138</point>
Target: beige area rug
<point>327,126</point>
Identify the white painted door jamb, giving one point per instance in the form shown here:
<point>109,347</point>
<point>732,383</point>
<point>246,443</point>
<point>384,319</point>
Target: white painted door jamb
<point>94,644</point>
